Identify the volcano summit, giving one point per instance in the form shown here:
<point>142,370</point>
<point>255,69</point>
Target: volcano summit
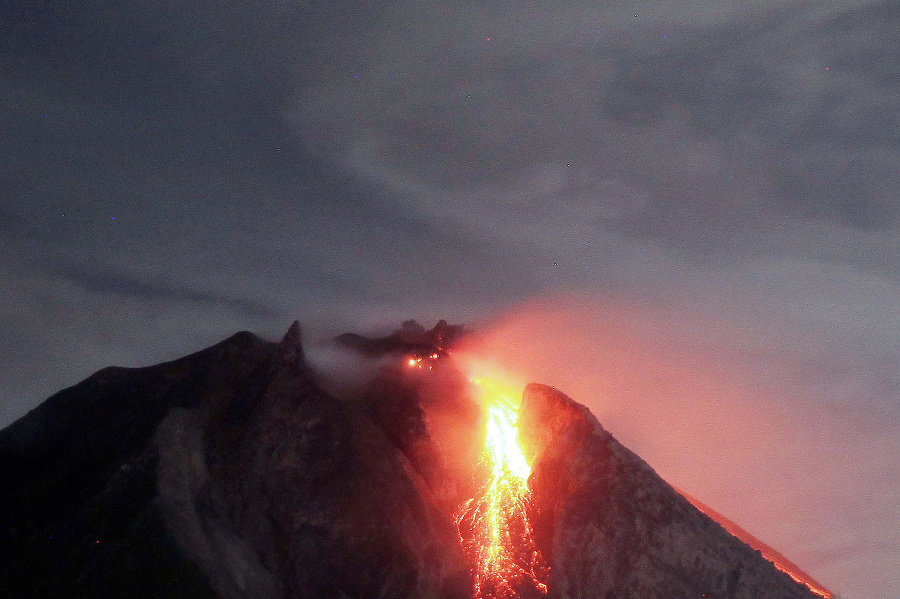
<point>235,473</point>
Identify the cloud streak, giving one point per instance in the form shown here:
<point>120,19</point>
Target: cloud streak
<point>129,286</point>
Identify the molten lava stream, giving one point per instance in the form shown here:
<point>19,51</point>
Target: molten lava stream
<point>493,526</point>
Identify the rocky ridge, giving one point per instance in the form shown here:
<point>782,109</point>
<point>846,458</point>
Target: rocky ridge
<point>612,527</point>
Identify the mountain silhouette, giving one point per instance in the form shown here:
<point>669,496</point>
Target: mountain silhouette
<point>233,473</point>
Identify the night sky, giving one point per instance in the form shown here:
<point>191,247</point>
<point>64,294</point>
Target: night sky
<point>683,214</point>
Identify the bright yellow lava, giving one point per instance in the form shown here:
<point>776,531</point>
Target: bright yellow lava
<point>493,526</point>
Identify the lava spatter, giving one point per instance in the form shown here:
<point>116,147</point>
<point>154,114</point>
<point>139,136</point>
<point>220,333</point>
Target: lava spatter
<point>493,526</point>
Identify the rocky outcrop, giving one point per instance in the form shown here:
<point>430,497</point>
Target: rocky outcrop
<point>79,509</point>
<point>325,499</point>
<point>612,528</point>
<point>411,338</point>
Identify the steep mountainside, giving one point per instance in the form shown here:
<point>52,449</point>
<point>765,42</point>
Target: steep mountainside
<point>231,473</point>
<point>228,473</point>
<point>613,528</point>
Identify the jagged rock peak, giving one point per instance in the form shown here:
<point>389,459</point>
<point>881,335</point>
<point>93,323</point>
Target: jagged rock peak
<point>290,350</point>
<point>412,328</point>
<point>410,338</point>
<point>550,413</point>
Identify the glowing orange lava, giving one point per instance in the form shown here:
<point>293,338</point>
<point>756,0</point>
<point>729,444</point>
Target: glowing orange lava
<point>493,526</point>
<point>419,361</point>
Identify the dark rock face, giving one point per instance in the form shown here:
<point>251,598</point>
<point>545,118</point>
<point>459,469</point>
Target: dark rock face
<point>228,473</point>
<point>325,499</point>
<point>611,527</point>
<point>231,474</point>
<point>77,511</point>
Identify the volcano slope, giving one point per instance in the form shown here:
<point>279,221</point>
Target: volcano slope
<point>611,527</point>
<point>231,473</point>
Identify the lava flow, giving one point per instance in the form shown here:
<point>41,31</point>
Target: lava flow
<point>493,526</point>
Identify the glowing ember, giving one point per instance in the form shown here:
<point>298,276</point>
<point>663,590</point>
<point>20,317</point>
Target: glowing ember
<point>419,361</point>
<point>493,526</point>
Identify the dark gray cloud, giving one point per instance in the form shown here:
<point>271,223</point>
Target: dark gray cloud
<point>772,108</point>
<point>173,172</point>
<point>129,286</point>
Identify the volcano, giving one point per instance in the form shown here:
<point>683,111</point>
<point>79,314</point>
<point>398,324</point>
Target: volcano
<point>238,472</point>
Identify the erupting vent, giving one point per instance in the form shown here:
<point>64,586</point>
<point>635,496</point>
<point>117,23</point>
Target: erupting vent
<point>493,526</point>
